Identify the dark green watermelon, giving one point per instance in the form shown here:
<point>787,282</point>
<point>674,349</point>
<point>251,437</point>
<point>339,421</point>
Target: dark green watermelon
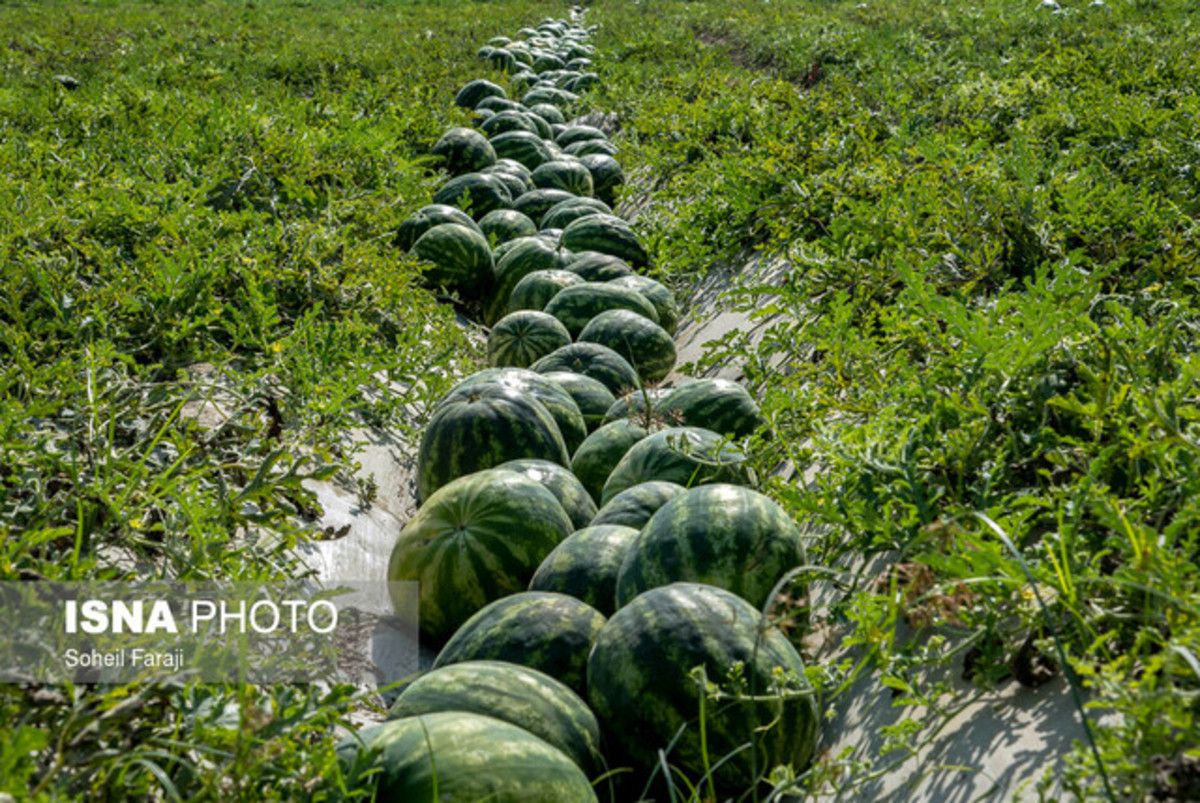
<point>591,359</point>
<point>551,633</point>
<point>483,426</point>
<point>654,292</point>
<point>550,113</point>
<point>721,535</point>
<point>607,176</point>
<point>504,121</point>
<point>530,384</point>
<point>536,203</point>
<point>564,212</point>
<point>582,83</point>
<point>474,193</point>
<point>460,259</point>
<point>498,105</point>
<point>516,168</point>
<point>567,176</point>
<point>526,255</point>
<point>555,97</point>
<point>594,266</point>
<point>592,397</point>
<point>516,185</point>
<point>544,62</point>
<point>595,147</point>
<point>474,91</point>
<point>607,234</point>
<point>642,687</point>
<point>464,150</point>
<point>684,455</point>
<point>578,133</point>
<point>576,305</point>
<point>565,486</point>
<point>426,218</point>
<point>521,696</point>
<point>717,404</point>
<point>520,339</point>
<point>506,224</point>
<point>458,756</point>
<point>634,506</point>
<point>477,539</point>
<point>634,406</point>
<point>585,566</point>
<point>535,289</point>
<point>521,146</point>
<point>501,59</point>
<point>641,341</point>
<point>601,451</point>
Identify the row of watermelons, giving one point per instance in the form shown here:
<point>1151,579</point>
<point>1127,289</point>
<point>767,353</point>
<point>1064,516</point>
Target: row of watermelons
<point>586,550</point>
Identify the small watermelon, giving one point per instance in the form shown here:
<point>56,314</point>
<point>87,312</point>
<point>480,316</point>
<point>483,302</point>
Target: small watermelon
<point>551,114</point>
<point>479,538</point>
<point>586,564</point>
<point>594,266</point>
<point>527,254</point>
<point>607,176</point>
<point>469,96</point>
<point>552,633</point>
<point>520,339</point>
<point>521,146</point>
<point>502,122</point>
<point>654,292</point>
<point>684,455</point>
<point>575,306</point>
<point>535,289</point>
<point>532,385</point>
<point>591,359</point>
<point>536,203</point>
<point>564,212</point>
<point>465,150</point>
<point>426,218</point>
<point>607,234</point>
<point>634,506</point>
<point>592,397</point>
<point>601,451</point>
<point>717,404</point>
<point>474,193</point>
<point>505,225</point>
<point>596,147</point>
<point>640,406</point>
<point>460,259</point>
<point>565,486</point>
<point>570,177</point>
<point>555,97</point>
<point>578,133</point>
<point>641,341</point>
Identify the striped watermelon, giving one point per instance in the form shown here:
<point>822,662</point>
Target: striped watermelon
<point>607,176</point>
<point>536,203</point>
<point>585,566</point>
<point>474,193</point>
<point>634,506</point>
<point>591,359</point>
<point>558,174</point>
<point>721,535</point>
<point>607,234</point>
<point>551,114</point>
<point>595,147</point>
<point>654,292</point>
<point>480,427</point>
<point>565,486</point>
<point>504,121</point>
<point>532,385</point>
<point>516,186</point>
<point>634,406</point>
<point>717,404</point>
<point>564,212</point>
<point>458,756</point>
<point>521,146</point>
<point>589,394</point>
<point>597,267</point>
<point>520,339</point>
<point>521,696</point>
<point>551,95</point>
<point>506,224</point>
<point>642,687</point>
<point>474,91</point>
<point>479,538</point>
<point>535,289</point>
<point>498,105</point>
<point>464,150</point>
<point>578,304</point>
<point>524,256</point>
<point>460,259</point>
<point>579,133</point>
<point>601,451</point>
<point>551,633</point>
<point>684,455</point>
<point>426,218</point>
<point>641,341</point>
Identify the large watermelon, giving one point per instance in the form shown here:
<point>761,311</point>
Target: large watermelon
<point>426,218</point>
<point>643,689</point>
<point>506,224</point>
<point>598,147</point>
<point>684,455</point>
<point>654,292</point>
<point>552,633</point>
<point>564,212</point>
<point>522,338</point>
<point>577,305</point>
<point>641,341</point>
<point>586,565</point>
<point>480,427</point>
<point>601,451</point>
<point>526,255</point>
<point>461,758</point>
<point>464,150</point>
<point>521,146</point>
<point>591,359</point>
<point>551,114</point>
<point>570,177</point>
<point>551,395</point>
<point>565,486</point>
<point>504,121</point>
<point>717,404</point>
<point>524,697</point>
<point>639,405</point>
<point>469,96</point>
<point>479,538</point>
<point>535,289</point>
<point>475,193</point>
<point>536,203</point>
<point>592,397</point>
<point>597,267</point>
<point>578,133</point>
<point>607,234</point>
<point>634,506</point>
<point>460,259</point>
<point>722,535</point>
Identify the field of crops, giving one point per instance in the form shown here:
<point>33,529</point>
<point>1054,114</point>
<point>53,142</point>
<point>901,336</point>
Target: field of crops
<point>960,458</point>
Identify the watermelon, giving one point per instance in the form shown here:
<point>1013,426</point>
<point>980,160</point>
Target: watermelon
<point>721,535</point>
<point>593,147</point>
<point>591,396</point>
<point>594,266</point>
<point>465,150</point>
<point>477,539</point>
<point>582,83</point>
<point>459,258</point>
<point>642,687</point>
<point>591,359</point>
<point>521,146</point>
<point>536,289</point>
<point>601,451</point>
<point>475,193</point>
<point>426,218</point>
<point>498,105</point>
<point>607,234</point>
<point>459,756</point>
<point>634,506</point>
<point>550,113</point>
<point>684,455</point>
<point>579,133</point>
<point>520,339</point>
<point>521,696</point>
<point>658,295</point>
<point>526,255</point>
<point>536,203</point>
<point>570,177</point>
<point>567,489</point>
<point>516,185</point>
<point>641,341</point>
<point>634,406</point>
<point>545,132</point>
<point>523,81</point>
<point>469,96</point>
<point>586,564</point>
<point>558,402</point>
<point>516,168</point>
<point>479,115</point>
<point>549,632</point>
<point>578,304</point>
<point>480,427</point>
<point>607,176</point>
<point>504,121</point>
<point>545,62</point>
<point>501,59</point>
<point>506,224</point>
<point>717,404</point>
<point>551,95</point>
<point>563,212</point>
